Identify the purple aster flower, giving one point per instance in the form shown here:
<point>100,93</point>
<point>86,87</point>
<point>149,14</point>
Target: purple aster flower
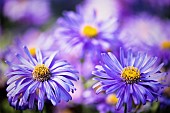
<point>84,30</point>
<point>37,79</point>
<point>133,78</point>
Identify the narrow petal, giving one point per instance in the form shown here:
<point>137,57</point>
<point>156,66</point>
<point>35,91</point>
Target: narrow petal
<point>139,94</point>
<point>41,99</point>
<point>119,103</point>
<point>144,57</point>
<point>24,61</point>
<point>154,70</point>
<point>129,58</point>
<point>122,56</point>
<point>58,64</point>
<point>11,86</point>
<point>56,90</point>
<point>67,74</point>
<point>127,93</point>
<point>100,74</point>
<point>113,88</point>
<point>39,56</point>
<point>64,94</point>
<point>31,100</point>
<point>14,78</point>
<point>30,56</point>
<point>148,64</point>
<point>65,80</point>
<point>21,88</point>
<point>50,59</point>
<point>31,89</point>
<point>61,83</point>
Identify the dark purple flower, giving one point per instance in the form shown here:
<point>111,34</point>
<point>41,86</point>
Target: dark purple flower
<point>133,78</point>
<point>34,80</point>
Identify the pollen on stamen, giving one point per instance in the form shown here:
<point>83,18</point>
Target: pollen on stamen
<point>89,31</point>
<point>41,73</point>
<point>130,74</point>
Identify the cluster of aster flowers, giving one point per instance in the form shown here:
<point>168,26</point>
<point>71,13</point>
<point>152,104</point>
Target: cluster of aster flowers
<point>108,63</point>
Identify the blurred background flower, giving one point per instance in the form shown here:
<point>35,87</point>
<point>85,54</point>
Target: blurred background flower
<point>26,11</point>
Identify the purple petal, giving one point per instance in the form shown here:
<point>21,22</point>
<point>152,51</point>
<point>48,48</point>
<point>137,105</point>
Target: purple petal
<point>119,103</point>
<point>56,90</point>
<point>22,87</point>
<point>13,78</point>
<point>127,94</point>
<point>65,80</point>
<point>24,61</point>
<point>64,94</point>
<point>50,59</point>
<point>29,55</point>
<point>114,88</point>
<point>122,56</point>
<point>154,70</point>
<point>61,83</point>
<point>139,94</point>
<point>148,64</point>
<point>67,74</point>
<point>31,100</point>
<point>101,74</point>
<point>140,60</point>
<point>41,99</point>
<point>129,58</point>
<point>39,56</point>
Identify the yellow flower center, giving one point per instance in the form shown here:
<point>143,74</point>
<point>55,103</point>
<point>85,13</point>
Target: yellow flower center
<point>111,99</point>
<point>166,45</point>
<point>41,73</point>
<point>90,31</point>
<point>130,74</point>
<point>32,51</point>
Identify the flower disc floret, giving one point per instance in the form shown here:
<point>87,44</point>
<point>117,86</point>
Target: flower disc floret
<point>130,74</point>
<point>41,73</point>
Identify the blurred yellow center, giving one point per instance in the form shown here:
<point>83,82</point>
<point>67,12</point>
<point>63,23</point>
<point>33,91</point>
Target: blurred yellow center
<point>130,74</point>
<point>90,31</point>
<point>41,73</point>
<point>32,51</point>
<point>166,45</point>
<point>111,99</point>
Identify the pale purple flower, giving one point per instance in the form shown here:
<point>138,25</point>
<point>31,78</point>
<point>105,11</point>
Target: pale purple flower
<point>27,11</point>
<point>85,31</point>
